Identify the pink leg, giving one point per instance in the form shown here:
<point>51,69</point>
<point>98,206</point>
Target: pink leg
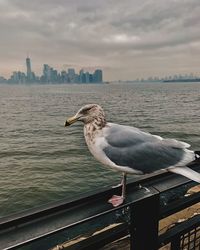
<point>116,200</point>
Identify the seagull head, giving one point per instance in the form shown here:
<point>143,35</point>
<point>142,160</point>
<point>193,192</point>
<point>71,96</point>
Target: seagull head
<point>87,114</point>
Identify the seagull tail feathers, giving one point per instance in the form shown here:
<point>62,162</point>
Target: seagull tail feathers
<point>187,172</point>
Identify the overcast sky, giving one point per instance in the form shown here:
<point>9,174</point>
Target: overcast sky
<point>127,39</point>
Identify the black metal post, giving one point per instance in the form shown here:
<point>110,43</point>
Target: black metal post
<point>144,217</point>
<point>175,244</point>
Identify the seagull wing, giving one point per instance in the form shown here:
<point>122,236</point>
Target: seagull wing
<point>130,147</point>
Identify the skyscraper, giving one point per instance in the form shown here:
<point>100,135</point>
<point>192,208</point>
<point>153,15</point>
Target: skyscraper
<point>81,76</point>
<point>46,73</point>
<point>72,75</point>
<point>28,67</point>
<point>98,75</point>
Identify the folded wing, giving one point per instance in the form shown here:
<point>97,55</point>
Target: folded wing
<point>133,148</point>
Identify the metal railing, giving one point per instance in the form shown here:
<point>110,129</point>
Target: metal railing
<point>52,224</point>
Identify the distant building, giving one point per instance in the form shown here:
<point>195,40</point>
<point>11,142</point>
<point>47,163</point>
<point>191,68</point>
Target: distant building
<point>82,78</point>
<point>18,77</point>
<point>71,75</point>
<point>87,77</point>
<point>98,75</point>
<point>91,78</point>
<point>53,75</point>
<point>2,79</point>
<point>64,77</point>
<point>28,69</point>
<point>46,73</point>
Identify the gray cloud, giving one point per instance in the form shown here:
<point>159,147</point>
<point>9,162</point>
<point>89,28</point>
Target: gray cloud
<point>128,39</point>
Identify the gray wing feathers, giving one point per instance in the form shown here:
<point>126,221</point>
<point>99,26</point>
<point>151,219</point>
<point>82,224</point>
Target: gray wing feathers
<point>142,151</point>
<point>120,136</point>
<point>124,136</point>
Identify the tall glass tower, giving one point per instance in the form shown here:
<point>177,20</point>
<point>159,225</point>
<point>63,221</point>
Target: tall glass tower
<point>28,67</point>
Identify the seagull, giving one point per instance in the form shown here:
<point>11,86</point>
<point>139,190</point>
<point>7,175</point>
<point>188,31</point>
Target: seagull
<point>132,151</point>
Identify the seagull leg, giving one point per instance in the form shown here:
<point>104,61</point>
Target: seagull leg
<point>116,200</point>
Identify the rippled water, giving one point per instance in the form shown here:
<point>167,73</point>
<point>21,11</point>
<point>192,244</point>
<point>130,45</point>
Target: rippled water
<point>42,161</point>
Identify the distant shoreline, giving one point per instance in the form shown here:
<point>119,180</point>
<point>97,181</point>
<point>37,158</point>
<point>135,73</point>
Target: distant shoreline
<point>183,80</point>
<point>51,83</point>
<point>103,83</point>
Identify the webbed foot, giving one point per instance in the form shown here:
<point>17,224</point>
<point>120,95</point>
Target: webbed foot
<point>116,200</point>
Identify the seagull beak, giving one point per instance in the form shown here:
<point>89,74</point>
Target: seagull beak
<point>71,120</point>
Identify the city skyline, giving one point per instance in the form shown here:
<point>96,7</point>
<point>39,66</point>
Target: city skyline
<point>52,75</point>
<point>69,75</point>
<point>126,39</point>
